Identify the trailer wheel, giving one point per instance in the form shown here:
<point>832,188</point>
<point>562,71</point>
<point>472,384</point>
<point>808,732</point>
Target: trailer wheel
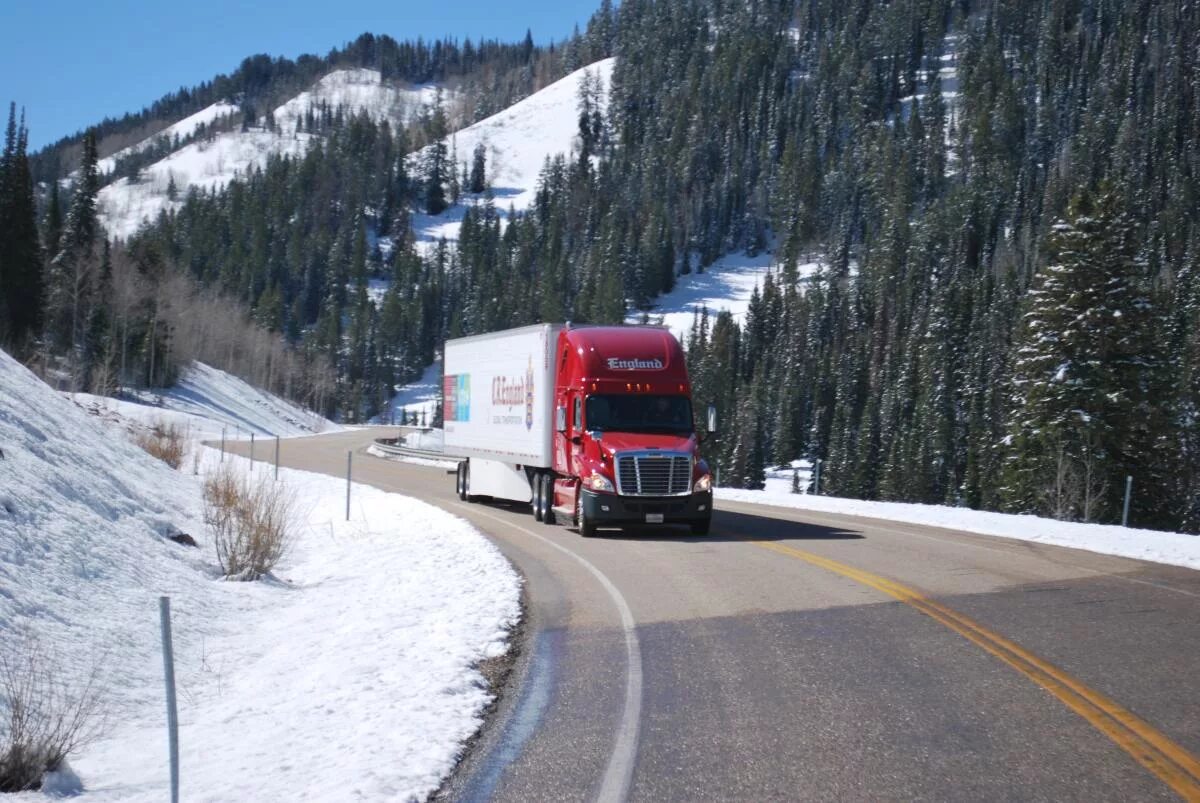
<point>467,495</point>
<point>547,488</point>
<point>587,528</point>
<point>536,498</point>
<point>460,482</point>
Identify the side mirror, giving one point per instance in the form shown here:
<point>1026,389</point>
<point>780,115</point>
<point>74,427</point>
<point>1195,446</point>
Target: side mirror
<point>560,419</point>
<point>712,419</point>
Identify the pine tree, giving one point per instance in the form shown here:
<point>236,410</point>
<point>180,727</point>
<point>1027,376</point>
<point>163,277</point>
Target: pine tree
<point>436,167</point>
<point>1088,375</point>
<point>21,294</point>
<point>478,181</point>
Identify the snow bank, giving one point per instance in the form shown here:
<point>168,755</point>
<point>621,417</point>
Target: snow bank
<point>1175,549</point>
<point>207,401</point>
<point>352,673</point>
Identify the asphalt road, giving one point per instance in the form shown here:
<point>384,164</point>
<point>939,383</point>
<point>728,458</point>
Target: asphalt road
<point>800,656</point>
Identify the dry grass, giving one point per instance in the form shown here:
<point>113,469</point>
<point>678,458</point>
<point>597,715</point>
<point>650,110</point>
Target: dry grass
<point>248,521</point>
<point>43,717</point>
<point>164,441</point>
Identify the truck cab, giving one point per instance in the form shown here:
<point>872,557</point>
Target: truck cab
<point>625,449</point>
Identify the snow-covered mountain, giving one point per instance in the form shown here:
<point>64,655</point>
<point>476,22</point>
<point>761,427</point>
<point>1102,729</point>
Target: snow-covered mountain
<point>211,163</point>
<point>518,142</point>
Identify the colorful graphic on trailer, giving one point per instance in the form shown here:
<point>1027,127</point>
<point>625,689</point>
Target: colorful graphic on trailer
<point>457,391</point>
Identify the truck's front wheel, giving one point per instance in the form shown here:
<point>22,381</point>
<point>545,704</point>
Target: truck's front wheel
<point>460,481</point>
<point>701,527</point>
<point>587,527</point>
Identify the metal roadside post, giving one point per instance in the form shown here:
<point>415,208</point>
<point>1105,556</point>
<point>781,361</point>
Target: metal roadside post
<point>817,477</point>
<point>276,457</point>
<point>251,452</point>
<point>349,458</point>
<point>1128,493</point>
<point>222,444</point>
<point>164,616</point>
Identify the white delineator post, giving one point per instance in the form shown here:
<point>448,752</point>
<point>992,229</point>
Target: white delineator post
<point>164,616</point>
<point>1128,493</point>
<point>349,458</point>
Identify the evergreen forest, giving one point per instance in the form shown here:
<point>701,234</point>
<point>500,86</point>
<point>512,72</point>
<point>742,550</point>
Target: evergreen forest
<point>986,293</point>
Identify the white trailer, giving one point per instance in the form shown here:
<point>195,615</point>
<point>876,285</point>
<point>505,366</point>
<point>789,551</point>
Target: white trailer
<point>499,407</point>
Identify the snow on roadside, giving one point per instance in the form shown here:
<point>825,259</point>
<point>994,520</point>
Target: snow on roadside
<point>207,401</point>
<point>1175,549</point>
<point>352,673</point>
<point>353,676</point>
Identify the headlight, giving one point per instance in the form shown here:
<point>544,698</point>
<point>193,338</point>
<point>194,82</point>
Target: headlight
<point>703,484</point>
<point>598,482</point>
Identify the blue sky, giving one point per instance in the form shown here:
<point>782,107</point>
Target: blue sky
<point>72,63</point>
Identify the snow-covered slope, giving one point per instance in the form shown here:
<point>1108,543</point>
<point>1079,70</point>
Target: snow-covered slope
<point>518,141</point>
<point>124,205</point>
<point>208,402</point>
<point>352,673</point>
<point>727,284</point>
<point>183,129</point>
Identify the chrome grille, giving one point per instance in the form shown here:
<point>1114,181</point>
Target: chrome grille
<point>654,474</point>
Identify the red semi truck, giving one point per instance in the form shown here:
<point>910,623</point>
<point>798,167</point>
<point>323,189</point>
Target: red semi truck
<point>590,423</point>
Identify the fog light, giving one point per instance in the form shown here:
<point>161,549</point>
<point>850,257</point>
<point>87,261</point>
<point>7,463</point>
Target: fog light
<point>604,508</point>
<point>701,507</point>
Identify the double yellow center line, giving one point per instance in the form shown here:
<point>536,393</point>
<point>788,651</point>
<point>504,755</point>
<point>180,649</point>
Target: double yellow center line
<point>1174,765</point>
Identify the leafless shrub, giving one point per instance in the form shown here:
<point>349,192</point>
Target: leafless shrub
<point>44,717</point>
<point>164,441</point>
<point>249,522</point>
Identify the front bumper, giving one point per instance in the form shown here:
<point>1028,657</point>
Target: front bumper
<point>607,509</point>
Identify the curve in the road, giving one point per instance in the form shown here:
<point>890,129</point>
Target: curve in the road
<point>618,775</point>
<point>1151,748</point>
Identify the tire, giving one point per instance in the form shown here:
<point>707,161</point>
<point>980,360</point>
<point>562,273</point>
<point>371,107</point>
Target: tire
<point>460,482</point>
<point>701,527</point>
<point>587,528</point>
<point>537,501</point>
<point>467,495</point>
<point>548,498</point>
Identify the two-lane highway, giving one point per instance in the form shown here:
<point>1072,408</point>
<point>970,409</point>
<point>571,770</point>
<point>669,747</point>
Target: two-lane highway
<point>798,656</point>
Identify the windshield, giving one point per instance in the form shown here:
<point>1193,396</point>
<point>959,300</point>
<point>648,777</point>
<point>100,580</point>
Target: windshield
<point>642,412</point>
